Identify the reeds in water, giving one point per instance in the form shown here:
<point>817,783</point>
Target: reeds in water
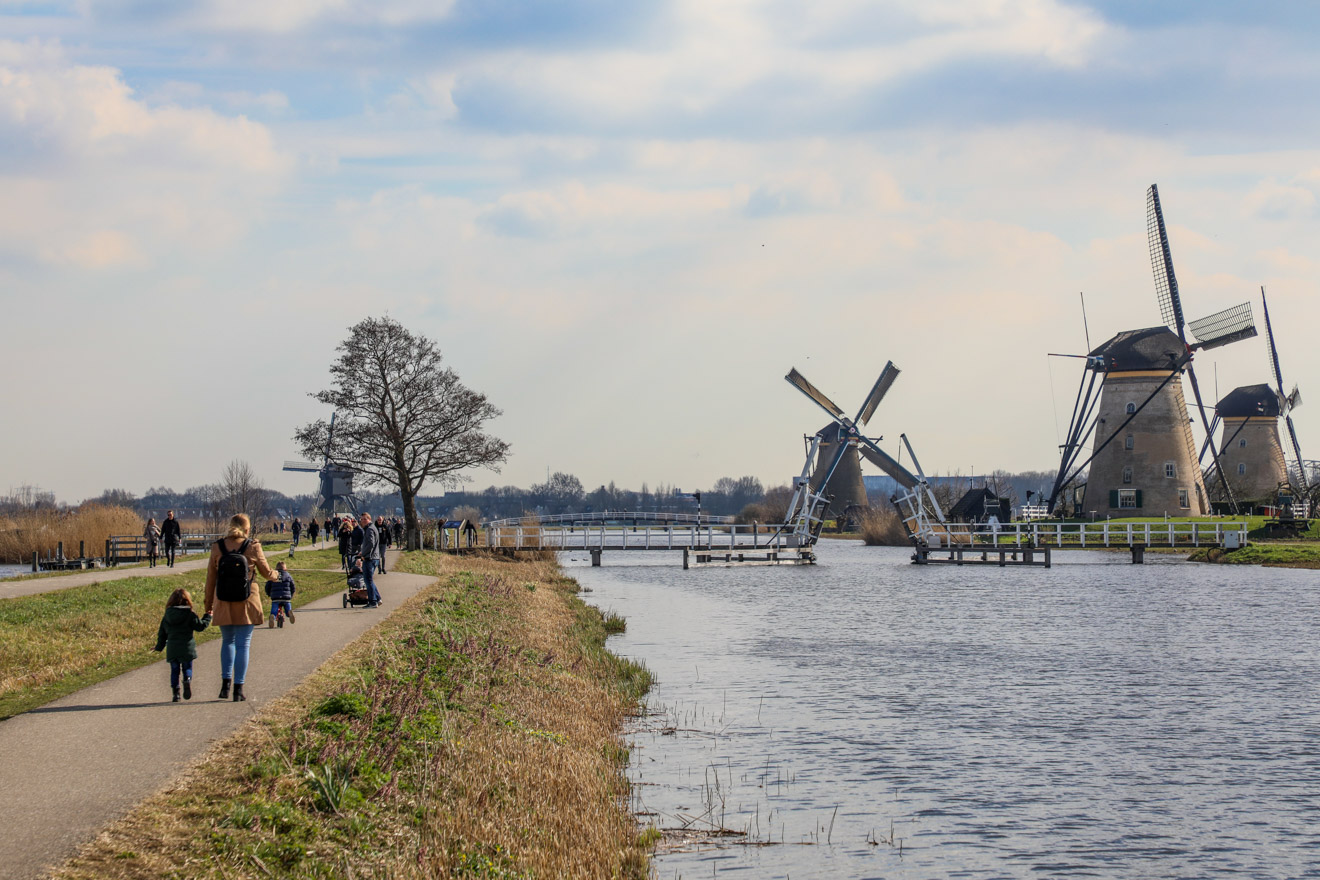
<point>41,530</point>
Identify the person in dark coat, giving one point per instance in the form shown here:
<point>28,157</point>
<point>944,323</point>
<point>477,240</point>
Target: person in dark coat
<point>345,544</point>
<point>281,597</point>
<point>312,530</point>
<point>175,638</point>
<point>172,536</point>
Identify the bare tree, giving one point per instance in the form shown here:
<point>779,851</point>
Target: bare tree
<point>402,418</point>
<point>242,490</point>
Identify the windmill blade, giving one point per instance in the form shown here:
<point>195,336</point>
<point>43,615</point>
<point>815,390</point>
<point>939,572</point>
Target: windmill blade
<point>1269,335</point>
<point>1161,262</point>
<point>1221,328</point>
<point>330,437</point>
<point>1297,450</point>
<point>881,459</point>
<point>878,392</point>
<point>301,466</point>
<point>798,381</point>
<point>1294,399</point>
<point>840,441</point>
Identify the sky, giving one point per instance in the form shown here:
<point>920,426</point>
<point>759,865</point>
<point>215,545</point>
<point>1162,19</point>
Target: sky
<point>625,222</point>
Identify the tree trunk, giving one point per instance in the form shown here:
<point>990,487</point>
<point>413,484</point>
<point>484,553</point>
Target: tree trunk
<point>410,524</point>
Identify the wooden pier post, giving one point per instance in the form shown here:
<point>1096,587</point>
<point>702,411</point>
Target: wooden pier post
<point>1138,554</point>
<point>595,559</point>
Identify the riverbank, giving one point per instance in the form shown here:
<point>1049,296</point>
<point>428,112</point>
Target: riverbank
<point>473,733</point>
<point>1272,555</point>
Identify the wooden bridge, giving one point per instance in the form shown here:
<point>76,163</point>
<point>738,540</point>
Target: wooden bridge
<point>702,539</point>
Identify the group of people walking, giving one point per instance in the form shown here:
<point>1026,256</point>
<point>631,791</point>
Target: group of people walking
<point>167,535</point>
<point>232,604</point>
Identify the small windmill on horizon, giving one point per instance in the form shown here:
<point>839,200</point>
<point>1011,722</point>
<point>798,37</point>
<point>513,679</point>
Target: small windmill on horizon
<point>336,479</point>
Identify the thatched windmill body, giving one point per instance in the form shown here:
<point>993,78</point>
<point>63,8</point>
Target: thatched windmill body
<point>1143,457</point>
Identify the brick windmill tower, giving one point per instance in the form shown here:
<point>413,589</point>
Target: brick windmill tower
<point>1251,448</point>
<point>1143,459</point>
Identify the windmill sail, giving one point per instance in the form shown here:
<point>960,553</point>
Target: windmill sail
<point>878,391</point>
<point>1287,403</point>
<point>1221,328</point>
<point>1161,261</point>
<point>798,381</point>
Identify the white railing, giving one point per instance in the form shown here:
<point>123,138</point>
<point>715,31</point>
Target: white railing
<point>671,537</point>
<point>1097,534</point>
<point>613,516</point>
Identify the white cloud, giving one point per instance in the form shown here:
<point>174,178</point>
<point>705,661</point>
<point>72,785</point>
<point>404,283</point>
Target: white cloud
<point>97,178</point>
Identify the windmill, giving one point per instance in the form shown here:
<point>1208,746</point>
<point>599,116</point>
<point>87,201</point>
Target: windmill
<point>1143,457</point>
<point>917,505</point>
<point>336,480</point>
<point>1251,452</point>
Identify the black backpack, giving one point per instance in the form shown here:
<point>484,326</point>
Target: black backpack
<point>233,576</point>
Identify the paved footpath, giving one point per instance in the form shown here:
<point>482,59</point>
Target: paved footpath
<point>72,766</point>
<point>192,562</point>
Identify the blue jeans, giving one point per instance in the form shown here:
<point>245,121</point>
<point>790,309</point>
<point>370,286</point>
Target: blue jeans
<point>277,603</point>
<point>368,567</point>
<point>235,641</point>
<point>180,666</point>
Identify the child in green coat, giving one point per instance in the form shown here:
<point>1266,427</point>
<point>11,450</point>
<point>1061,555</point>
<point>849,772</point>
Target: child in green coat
<point>175,637</point>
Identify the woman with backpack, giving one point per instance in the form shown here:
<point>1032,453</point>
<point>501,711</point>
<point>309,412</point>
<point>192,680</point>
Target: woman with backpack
<point>232,603</point>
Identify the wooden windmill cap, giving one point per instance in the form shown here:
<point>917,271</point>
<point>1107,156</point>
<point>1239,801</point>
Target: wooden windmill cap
<point>1249,401</point>
<point>1153,348</point>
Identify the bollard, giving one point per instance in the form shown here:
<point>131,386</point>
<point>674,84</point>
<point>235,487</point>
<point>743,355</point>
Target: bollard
<point>35,566</point>
<point>82,550</point>
<point>59,551</point>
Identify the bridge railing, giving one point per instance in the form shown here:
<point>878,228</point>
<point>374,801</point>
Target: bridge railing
<point>133,548</point>
<point>1098,534</point>
<point>586,536</point>
<point>633,517</point>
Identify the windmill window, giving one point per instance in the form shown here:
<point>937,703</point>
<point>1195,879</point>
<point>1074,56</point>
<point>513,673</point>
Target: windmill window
<point>1131,408</point>
<point>1242,469</point>
<point>1127,498</point>
<point>1170,470</point>
<point>1127,474</point>
<point>1184,499</point>
<point>1242,443</point>
<point>1129,442</point>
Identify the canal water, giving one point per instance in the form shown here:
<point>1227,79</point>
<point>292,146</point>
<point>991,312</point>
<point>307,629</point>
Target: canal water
<point>870,718</point>
<point>8,571</point>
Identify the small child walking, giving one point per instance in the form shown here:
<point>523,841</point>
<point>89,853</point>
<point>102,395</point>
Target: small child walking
<point>281,597</point>
<point>175,638</point>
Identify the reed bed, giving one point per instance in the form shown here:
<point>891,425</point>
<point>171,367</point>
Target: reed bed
<point>882,528</point>
<point>42,530</point>
<point>474,733</point>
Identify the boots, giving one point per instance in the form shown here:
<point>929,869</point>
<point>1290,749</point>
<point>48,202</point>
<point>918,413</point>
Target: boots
<point>176,696</point>
<point>238,694</point>
<point>187,688</point>
<point>224,688</point>
<point>270,624</point>
<point>291,617</point>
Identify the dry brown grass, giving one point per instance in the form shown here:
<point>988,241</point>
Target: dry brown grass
<point>478,727</point>
<point>882,527</point>
<point>42,530</point>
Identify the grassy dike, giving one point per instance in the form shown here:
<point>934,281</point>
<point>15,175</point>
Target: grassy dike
<point>1277,555</point>
<point>473,733</point>
<point>52,644</point>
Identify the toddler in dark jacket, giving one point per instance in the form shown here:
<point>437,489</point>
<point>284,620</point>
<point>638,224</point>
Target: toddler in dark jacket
<point>281,597</point>
<point>175,638</point>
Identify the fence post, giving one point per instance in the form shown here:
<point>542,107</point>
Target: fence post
<point>107,553</point>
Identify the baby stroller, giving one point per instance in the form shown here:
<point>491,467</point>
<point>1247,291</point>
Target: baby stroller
<point>357,587</point>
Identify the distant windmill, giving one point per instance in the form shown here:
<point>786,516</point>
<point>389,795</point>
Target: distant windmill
<point>843,439</point>
<point>336,480</point>
<point>1143,457</point>
<point>1251,452</point>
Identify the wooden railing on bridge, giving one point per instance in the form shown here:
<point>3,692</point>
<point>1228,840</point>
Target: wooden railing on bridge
<point>133,548</point>
<point>1171,533</point>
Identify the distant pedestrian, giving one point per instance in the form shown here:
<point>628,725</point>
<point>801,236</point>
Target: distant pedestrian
<point>357,536</point>
<point>296,530</point>
<point>330,527</point>
<point>152,535</point>
<point>312,529</point>
<point>237,607</point>
<point>345,544</point>
<point>171,536</point>
<point>175,638</point>
<point>384,532</point>
<point>281,597</point>
<point>368,552</point>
